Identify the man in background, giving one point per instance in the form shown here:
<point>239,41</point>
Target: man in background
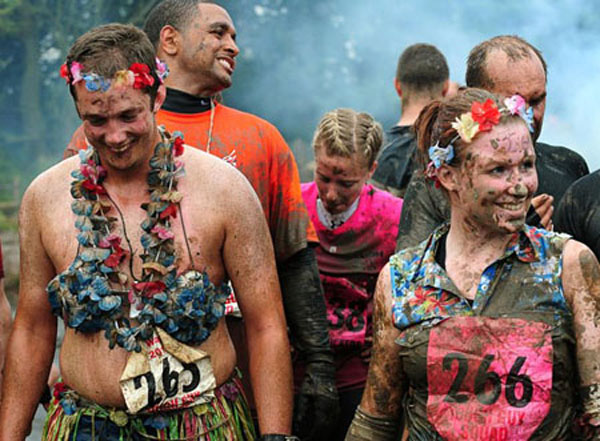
<point>422,76</point>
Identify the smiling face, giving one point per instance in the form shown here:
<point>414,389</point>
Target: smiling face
<point>120,124</point>
<point>208,48</point>
<point>493,186</point>
<point>340,179</point>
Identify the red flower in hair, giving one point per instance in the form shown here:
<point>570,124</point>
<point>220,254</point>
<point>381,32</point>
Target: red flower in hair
<point>142,75</point>
<point>486,114</point>
<point>64,72</point>
<point>178,146</point>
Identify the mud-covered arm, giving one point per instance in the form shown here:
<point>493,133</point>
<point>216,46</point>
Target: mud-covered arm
<point>379,417</point>
<point>581,284</point>
<point>317,404</point>
<point>32,341</point>
<point>250,263</point>
<point>425,208</point>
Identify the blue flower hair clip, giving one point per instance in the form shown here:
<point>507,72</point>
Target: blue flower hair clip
<point>441,155</point>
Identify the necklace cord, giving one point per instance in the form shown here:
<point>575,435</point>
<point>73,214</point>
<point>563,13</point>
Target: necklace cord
<point>210,126</point>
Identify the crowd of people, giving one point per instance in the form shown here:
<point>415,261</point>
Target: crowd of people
<point>421,287</point>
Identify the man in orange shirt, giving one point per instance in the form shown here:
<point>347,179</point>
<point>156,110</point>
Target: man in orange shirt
<point>197,41</point>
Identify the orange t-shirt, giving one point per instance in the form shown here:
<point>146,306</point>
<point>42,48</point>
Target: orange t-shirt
<point>258,150</point>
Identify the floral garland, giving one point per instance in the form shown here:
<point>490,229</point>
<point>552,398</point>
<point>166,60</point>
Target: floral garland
<point>482,118</point>
<point>91,293</point>
<point>137,76</point>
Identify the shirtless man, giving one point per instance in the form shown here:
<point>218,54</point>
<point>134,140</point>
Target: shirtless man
<point>197,40</point>
<point>142,252</point>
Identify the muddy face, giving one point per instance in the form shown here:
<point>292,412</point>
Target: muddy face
<point>340,179</point>
<point>497,179</point>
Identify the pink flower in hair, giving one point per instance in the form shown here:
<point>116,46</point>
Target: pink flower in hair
<point>76,69</point>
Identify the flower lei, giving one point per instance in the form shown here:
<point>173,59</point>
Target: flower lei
<point>137,76</point>
<point>482,118</point>
<point>92,291</point>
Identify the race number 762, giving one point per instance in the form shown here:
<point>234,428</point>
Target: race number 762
<point>169,379</point>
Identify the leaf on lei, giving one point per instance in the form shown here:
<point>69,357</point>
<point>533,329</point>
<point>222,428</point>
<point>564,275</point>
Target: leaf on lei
<point>172,196</point>
<point>110,303</point>
<point>170,211</point>
<point>76,189</point>
<point>76,316</point>
<point>466,127</point>
<point>115,258</point>
<point>149,241</point>
<point>486,115</point>
<point>87,238</point>
<point>177,144</point>
<point>101,286</point>
<point>148,289</point>
<point>94,254</point>
<point>162,156</point>
<point>154,314</point>
<point>110,241</point>
<point>96,189</point>
<point>156,267</point>
<point>82,207</point>
<point>162,232</point>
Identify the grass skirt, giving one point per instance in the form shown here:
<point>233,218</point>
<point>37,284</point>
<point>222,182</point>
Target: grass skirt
<point>225,418</point>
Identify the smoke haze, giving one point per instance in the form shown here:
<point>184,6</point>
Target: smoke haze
<point>300,59</point>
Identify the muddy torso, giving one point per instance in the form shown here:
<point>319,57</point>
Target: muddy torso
<point>87,363</point>
<point>499,367</point>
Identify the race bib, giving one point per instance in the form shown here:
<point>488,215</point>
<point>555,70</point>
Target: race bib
<point>231,305</point>
<point>347,313</point>
<point>489,379</point>
<point>347,321</point>
<point>166,375</point>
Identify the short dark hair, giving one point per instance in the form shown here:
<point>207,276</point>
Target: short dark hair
<point>515,47</point>
<point>422,67</point>
<point>176,13</point>
<point>107,49</point>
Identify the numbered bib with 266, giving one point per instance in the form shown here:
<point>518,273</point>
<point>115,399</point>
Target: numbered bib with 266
<point>489,378</point>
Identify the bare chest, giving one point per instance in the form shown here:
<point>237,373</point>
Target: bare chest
<point>197,241</point>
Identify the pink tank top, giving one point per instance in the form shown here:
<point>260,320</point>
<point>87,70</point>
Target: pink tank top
<point>350,258</point>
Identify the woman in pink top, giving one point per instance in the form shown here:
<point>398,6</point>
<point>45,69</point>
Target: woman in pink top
<point>357,227</point>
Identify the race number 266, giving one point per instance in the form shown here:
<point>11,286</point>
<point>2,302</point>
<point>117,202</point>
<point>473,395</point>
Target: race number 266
<point>488,385</point>
<point>489,378</point>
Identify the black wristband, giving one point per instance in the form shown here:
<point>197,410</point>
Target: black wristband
<point>278,437</point>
